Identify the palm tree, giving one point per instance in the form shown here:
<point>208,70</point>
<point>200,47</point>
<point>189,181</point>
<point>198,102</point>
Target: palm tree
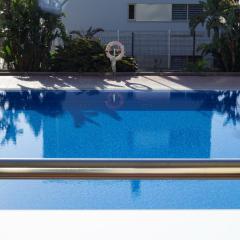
<point>231,37</point>
<point>27,34</point>
<point>220,18</point>
<point>213,12</point>
<point>89,34</point>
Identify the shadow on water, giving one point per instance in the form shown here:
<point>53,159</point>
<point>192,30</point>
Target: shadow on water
<point>228,103</point>
<point>225,103</point>
<point>14,104</point>
<point>85,106</point>
<point>81,105</point>
<point>136,188</point>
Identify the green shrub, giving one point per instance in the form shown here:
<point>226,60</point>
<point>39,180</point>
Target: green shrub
<point>127,64</point>
<point>200,65</point>
<point>27,34</point>
<point>83,54</point>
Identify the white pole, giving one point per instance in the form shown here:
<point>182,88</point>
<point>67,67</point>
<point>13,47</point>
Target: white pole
<point>169,49</point>
<point>118,35</point>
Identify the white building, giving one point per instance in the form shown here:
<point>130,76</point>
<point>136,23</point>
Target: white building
<point>127,15</point>
<point>155,32</point>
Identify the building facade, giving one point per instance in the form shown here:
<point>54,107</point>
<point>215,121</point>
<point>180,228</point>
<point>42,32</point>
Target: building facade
<point>155,32</point>
<point>127,15</point>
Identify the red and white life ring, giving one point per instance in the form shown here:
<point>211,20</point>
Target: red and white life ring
<point>109,49</point>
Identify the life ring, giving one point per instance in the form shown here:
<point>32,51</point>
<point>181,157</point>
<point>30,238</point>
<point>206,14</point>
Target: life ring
<point>109,50</point>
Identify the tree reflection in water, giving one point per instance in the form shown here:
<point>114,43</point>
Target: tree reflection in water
<point>8,128</point>
<point>14,104</point>
<point>228,103</point>
<point>85,106</point>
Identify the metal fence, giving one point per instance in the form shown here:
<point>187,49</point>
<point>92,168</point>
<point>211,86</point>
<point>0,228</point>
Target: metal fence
<point>156,51</point>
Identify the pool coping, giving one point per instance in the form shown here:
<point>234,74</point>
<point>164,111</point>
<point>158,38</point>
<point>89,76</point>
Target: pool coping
<point>135,81</point>
<point>103,74</point>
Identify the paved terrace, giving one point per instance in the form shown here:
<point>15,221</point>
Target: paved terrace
<point>143,82</point>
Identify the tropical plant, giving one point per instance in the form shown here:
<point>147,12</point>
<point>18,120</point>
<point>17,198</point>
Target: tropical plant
<point>79,55</point>
<point>84,54</point>
<point>223,26</point>
<point>27,34</point>
<point>90,33</point>
<point>213,12</point>
<point>200,65</point>
<point>127,64</point>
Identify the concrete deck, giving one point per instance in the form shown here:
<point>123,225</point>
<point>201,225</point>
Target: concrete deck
<point>123,82</point>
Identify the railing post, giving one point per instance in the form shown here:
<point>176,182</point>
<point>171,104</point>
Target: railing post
<point>118,35</point>
<point>133,40</point>
<point>169,49</point>
<point>194,46</point>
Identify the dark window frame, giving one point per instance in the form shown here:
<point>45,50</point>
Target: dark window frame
<point>131,11</point>
<point>189,8</point>
<point>194,8</point>
<point>177,16</point>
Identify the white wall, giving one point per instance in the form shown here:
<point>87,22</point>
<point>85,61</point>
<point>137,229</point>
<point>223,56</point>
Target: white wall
<point>113,14</point>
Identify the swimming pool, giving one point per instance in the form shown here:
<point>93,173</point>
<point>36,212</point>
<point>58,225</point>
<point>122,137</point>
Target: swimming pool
<point>126,125</point>
<point>121,124</point>
<point>119,195</point>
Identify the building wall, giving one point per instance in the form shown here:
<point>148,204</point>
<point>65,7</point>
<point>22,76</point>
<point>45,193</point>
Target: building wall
<point>112,15</point>
<point>96,126</point>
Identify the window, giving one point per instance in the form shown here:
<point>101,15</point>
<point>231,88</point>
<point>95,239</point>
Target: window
<point>162,12</point>
<point>185,11</point>
<point>153,12</point>
<point>194,9</point>
<point>179,12</point>
<point>131,11</point>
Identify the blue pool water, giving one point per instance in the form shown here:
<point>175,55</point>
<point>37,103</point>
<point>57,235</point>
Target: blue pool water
<point>123,124</point>
<point>48,194</point>
<point>102,124</point>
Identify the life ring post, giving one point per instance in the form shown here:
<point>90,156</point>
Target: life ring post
<point>115,51</point>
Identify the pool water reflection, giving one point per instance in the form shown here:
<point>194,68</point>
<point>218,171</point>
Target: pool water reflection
<point>62,194</point>
<point>123,124</point>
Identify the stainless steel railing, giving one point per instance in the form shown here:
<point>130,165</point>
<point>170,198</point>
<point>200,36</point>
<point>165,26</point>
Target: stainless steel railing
<point>120,169</point>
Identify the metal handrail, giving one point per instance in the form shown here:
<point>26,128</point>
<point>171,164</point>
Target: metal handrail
<point>120,169</point>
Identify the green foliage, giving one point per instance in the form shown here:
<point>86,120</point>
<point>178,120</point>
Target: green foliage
<point>200,65</point>
<point>211,16</point>
<point>222,21</point>
<point>27,34</point>
<point>90,33</point>
<point>79,55</point>
<point>83,54</point>
<point>127,64</point>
